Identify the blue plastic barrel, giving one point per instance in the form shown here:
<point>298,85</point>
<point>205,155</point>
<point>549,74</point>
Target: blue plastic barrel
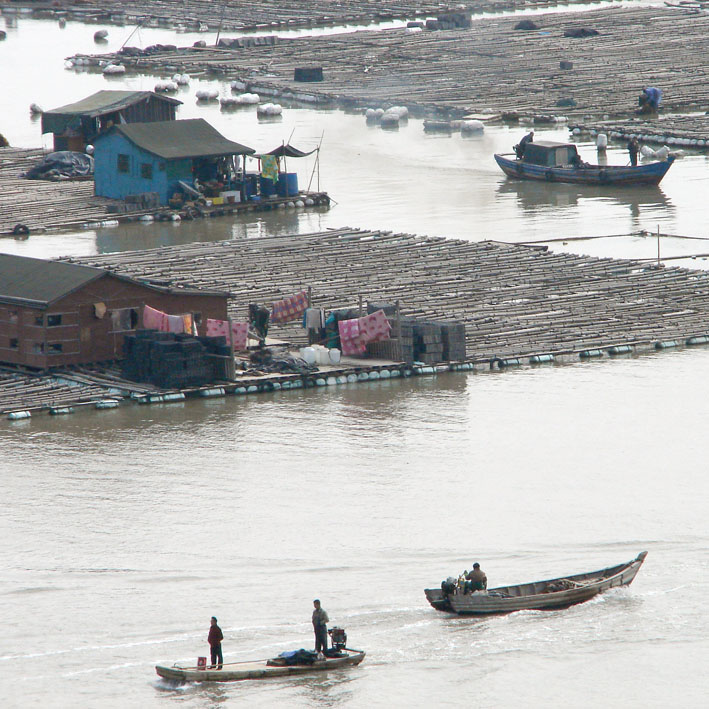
<point>287,184</point>
<point>267,187</point>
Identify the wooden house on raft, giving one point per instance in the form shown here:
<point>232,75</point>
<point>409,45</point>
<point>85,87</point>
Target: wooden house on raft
<point>78,124</point>
<point>54,314</point>
<point>135,158</point>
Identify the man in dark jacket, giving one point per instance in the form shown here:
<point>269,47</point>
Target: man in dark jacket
<point>320,621</point>
<point>633,148</point>
<point>214,639</point>
<point>477,578</point>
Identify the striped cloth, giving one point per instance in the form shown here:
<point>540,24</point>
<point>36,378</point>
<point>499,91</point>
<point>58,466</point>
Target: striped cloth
<point>290,308</point>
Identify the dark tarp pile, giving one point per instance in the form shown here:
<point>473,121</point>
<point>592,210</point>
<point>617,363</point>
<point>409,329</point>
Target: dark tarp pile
<point>61,166</point>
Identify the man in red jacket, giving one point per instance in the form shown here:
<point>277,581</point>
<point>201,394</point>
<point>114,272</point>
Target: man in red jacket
<point>214,639</point>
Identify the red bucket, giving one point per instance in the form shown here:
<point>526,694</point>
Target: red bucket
<point>201,663</point>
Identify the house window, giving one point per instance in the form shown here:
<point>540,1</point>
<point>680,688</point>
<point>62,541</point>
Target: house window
<point>146,171</point>
<point>124,319</point>
<point>55,347</point>
<point>39,320</point>
<point>14,317</point>
<point>38,348</point>
<point>14,343</point>
<point>123,163</point>
<point>54,320</point>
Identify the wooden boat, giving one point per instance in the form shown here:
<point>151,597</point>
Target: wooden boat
<point>560,162</point>
<point>542,595</point>
<point>256,669</point>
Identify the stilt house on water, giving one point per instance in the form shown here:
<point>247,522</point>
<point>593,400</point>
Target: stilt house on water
<point>76,125</point>
<point>164,158</point>
<point>54,314</point>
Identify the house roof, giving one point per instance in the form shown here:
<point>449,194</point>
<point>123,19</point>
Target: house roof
<point>98,104</point>
<point>36,283</point>
<point>192,138</point>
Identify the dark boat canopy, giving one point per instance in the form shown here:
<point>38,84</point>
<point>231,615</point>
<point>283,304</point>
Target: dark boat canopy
<point>550,154</point>
<point>289,151</point>
<point>191,138</point>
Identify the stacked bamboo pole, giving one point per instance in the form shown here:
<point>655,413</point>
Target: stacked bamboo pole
<point>515,301</point>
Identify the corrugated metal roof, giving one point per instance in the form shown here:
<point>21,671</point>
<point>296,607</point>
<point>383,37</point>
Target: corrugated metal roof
<point>192,138</point>
<point>107,102</point>
<point>37,283</point>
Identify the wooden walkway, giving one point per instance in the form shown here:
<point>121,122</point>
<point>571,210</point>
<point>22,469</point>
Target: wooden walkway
<point>516,301</point>
<point>490,68</point>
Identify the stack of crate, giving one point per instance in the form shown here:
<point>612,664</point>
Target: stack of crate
<point>166,360</point>
<point>453,336</point>
<point>428,342</point>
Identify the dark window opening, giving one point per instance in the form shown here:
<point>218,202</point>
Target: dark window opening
<point>124,319</point>
<point>38,347</point>
<point>14,343</point>
<point>197,317</point>
<point>55,348</point>
<point>54,320</point>
<point>146,171</point>
<point>39,320</point>
<point>123,163</point>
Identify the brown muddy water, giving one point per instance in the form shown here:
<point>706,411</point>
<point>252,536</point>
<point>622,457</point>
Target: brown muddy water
<point>125,530</point>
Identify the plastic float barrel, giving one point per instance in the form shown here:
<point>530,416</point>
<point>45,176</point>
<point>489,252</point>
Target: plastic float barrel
<point>394,373</point>
<point>60,410</point>
<point>374,375</point>
<point>666,344</point>
<point>588,354</point>
<point>106,404</point>
<point>253,389</point>
<point>214,391</point>
<point>320,382</point>
<point>698,340</point>
<point>539,359</point>
<point>276,386</point>
<point>509,362</point>
<point>385,374</point>
<point>342,379</point>
<point>351,378</point>
<point>240,390</point>
<point>18,415</point>
<point>362,377</point>
<point>331,381</point>
<point>620,349</point>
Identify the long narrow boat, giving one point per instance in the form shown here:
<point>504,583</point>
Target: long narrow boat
<point>541,595</point>
<point>256,669</point>
<point>546,161</point>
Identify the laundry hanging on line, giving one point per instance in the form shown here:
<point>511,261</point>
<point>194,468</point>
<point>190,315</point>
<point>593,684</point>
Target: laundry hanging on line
<point>154,319</point>
<point>357,333</point>
<point>290,308</point>
<point>239,331</point>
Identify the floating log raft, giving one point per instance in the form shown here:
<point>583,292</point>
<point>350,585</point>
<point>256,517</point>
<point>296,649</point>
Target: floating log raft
<point>682,131</point>
<point>491,68</point>
<point>515,301</point>
<point>41,204</point>
<point>254,15</point>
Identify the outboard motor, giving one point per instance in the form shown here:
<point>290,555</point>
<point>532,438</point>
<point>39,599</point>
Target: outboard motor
<point>338,637</point>
<point>448,586</point>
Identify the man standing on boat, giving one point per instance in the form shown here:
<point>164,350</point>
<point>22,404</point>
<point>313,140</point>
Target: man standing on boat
<point>320,621</point>
<point>519,148</point>
<point>214,639</point>
<point>477,578</point>
<point>633,149</point>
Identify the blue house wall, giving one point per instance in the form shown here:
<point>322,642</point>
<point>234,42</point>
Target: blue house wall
<point>122,168</point>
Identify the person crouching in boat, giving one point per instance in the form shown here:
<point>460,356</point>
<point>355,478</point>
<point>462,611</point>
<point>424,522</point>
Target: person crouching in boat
<point>519,148</point>
<point>476,578</point>
<point>214,639</point>
<point>633,150</point>
<point>320,621</point>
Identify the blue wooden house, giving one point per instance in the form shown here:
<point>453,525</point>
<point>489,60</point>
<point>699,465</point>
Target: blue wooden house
<point>134,158</point>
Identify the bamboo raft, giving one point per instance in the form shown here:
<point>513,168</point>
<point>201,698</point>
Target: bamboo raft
<point>253,15</point>
<point>515,301</point>
<point>491,68</point>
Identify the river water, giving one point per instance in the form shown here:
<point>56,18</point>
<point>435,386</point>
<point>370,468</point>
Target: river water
<point>125,530</point>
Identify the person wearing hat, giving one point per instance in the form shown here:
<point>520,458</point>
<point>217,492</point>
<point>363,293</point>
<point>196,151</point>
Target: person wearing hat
<point>519,148</point>
<point>477,578</point>
<point>320,621</point>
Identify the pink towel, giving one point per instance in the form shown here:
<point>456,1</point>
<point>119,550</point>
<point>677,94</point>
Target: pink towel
<point>374,327</point>
<point>289,308</point>
<point>239,330</point>
<point>154,319</point>
<point>216,328</point>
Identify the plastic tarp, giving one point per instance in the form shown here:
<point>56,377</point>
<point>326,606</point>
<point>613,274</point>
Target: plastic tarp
<point>61,165</point>
<point>289,151</point>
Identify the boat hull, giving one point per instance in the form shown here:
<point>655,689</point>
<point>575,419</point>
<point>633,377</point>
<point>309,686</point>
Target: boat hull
<point>650,174</point>
<point>508,599</point>
<point>259,669</point>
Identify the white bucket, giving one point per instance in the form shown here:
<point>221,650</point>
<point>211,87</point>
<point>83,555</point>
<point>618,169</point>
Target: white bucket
<point>308,354</point>
<point>334,355</point>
